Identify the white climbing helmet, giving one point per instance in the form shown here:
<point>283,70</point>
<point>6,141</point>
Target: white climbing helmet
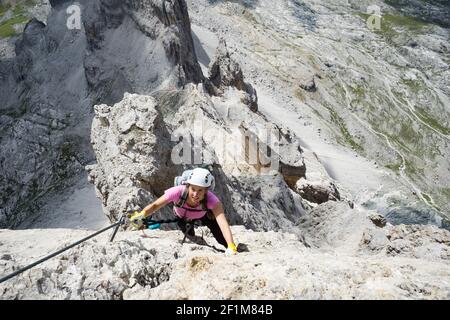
<point>200,177</point>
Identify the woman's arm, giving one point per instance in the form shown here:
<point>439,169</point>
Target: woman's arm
<point>155,206</point>
<point>223,223</point>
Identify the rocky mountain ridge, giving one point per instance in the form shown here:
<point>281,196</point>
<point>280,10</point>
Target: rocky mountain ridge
<point>120,99</point>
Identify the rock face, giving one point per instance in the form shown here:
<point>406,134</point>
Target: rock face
<point>256,164</point>
<point>378,220</point>
<point>141,47</point>
<point>58,74</point>
<point>159,267</point>
<point>424,242</point>
<point>309,85</point>
<point>128,82</point>
<point>318,193</point>
<point>133,161</point>
<point>382,92</point>
<point>225,72</point>
<point>316,186</point>
<point>128,264</point>
<point>136,143</point>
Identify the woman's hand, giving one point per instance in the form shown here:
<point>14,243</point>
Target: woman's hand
<point>137,219</point>
<point>225,228</point>
<point>231,250</point>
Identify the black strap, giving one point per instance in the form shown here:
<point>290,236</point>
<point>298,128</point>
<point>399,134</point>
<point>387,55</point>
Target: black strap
<point>191,209</point>
<point>190,225</point>
<point>149,221</point>
<point>183,199</point>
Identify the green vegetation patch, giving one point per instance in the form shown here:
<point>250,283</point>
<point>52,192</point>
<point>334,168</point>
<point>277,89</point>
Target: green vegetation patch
<point>19,17</point>
<point>399,142</point>
<point>344,131</point>
<point>403,22</point>
<point>358,94</point>
<point>339,90</point>
<point>6,28</point>
<point>427,197</point>
<point>393,166</point>
<point>412,170</point>
<point>408,134</point>
<point>358,91</point>
<point>391,24</point>
<point>431,121</point>
<point>18,10</point>
<point>446,192</point>
<point>414,85</point>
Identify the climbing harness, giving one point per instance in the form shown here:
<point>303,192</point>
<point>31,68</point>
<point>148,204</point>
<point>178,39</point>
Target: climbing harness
<point>190,224</point>
<point>183,200</point>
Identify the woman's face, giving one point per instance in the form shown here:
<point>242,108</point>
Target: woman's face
<point>196,193</point>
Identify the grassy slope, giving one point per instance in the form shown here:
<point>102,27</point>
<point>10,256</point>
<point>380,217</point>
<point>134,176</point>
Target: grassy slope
<point>18,16</point>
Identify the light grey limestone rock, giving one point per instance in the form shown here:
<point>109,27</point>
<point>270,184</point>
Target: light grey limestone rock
<point>275,266</point>
<point>49,88</point>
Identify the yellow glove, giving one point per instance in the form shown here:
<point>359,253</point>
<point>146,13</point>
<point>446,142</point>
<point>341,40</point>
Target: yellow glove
<point>136,220</point>
<point>231,250</point>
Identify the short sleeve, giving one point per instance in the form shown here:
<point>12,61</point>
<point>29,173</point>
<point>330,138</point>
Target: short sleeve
<point>173,194</point>
<point>212,200</point>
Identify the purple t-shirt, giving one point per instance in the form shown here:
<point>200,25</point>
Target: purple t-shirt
<point>174,194</point>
